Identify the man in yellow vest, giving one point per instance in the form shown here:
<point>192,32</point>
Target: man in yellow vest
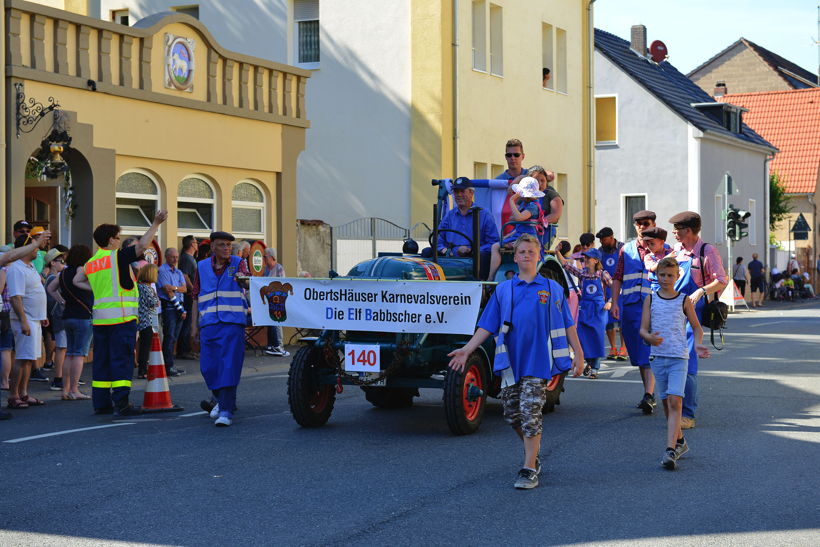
<point>114,315</point>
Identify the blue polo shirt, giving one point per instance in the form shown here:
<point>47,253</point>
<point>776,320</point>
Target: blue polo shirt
<point>167,276</point>
<point>454,220</point>
<point>528,342</point>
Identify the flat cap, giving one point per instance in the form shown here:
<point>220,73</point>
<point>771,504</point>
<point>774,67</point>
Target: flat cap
<point>222,235</point>
<point>685,218</point>
<point>654,232</point>
<point>605,232</point>
<point>587,239</point>
<point>644,215</point>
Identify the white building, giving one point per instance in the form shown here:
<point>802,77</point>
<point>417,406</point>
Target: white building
<point>663,144</point>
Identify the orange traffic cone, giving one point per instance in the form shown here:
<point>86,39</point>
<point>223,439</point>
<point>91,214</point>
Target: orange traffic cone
<point>157,394</point>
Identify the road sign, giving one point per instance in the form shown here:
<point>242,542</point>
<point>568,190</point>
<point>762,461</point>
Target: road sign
<point>800,225</point>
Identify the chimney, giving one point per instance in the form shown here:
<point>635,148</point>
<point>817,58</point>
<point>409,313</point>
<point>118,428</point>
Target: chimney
<point>720,89</point>
<point>638,41</point>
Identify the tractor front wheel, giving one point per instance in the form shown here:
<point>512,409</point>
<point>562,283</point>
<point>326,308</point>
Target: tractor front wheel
<point>311,403</point>
<point>465,395</point>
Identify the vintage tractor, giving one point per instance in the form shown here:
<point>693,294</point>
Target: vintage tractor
<point>409,360</point>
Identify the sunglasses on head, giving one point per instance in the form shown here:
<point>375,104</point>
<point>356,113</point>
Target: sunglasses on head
<point>512,155</point>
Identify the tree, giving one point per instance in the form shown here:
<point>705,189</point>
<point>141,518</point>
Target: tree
<point>779,203</point>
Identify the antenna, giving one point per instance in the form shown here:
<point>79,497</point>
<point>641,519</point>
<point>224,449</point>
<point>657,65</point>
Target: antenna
<point>658,51</point>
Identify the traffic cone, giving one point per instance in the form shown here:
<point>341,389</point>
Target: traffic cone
<point>157,393</point>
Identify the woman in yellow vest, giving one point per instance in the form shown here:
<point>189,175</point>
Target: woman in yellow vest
<point>114,316</point>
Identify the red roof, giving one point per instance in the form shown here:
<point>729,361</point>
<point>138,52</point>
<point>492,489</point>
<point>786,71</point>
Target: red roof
<point>790,120</point>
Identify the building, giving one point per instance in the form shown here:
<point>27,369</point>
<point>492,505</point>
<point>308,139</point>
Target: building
<point>745,67</point>
<point>402,92</point>
<point>159,115</point>
<point>663,144</point>
<point>790,120</point>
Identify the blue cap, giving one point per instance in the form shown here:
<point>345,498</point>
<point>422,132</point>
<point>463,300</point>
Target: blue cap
<point>462,183</point>
<point>593,253</point>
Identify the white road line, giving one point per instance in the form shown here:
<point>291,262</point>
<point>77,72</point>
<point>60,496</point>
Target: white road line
<point>767,323</point>
<point>607,380</point>
<point>66,432</point>
<point>199,413</point>
<point>265,377</point>
<point>618,372</point>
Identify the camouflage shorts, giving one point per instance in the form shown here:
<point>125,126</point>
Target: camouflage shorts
<point>523,404</point>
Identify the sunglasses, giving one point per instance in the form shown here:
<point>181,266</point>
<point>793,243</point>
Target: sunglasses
<point>512,155</point>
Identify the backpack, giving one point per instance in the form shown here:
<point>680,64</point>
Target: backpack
<point>715,313</point>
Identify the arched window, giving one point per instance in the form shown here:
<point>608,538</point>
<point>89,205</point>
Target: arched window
<point>137,197</point>
<point>196,207</point>
<point>248,211</point>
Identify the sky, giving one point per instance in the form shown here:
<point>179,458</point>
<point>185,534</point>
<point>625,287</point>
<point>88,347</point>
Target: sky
<point>696,30</point>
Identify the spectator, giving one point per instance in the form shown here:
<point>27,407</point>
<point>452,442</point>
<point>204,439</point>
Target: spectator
<point>77,322</point>
<point>22,227</point>
<point>757,278</point>
<point>55,262</point>
<point>148,320</point>
<point>171,286</point>
<point>739,276</point>
<point>187,265</point>
<point>514,154</point>
<point>552,204</point>
<point>274,269</point>
<point>545,76</point>
<point>28,303</point>
<point>525,210</point>
<point>793,264</point>
<point>108,273</point>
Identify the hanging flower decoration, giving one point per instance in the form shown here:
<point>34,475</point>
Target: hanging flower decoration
<point>48,162</point>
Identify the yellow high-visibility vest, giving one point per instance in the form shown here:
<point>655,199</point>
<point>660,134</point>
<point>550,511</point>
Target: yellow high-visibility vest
<point>112,303</point>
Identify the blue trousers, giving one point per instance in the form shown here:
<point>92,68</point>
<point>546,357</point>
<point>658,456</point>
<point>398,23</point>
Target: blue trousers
<point>171,326</point>
<point>630,330</point>
<point>690,398</point>
<point>113,366</point>
<point>226,397</point>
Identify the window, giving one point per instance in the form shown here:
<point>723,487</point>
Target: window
<point>720,220</point>
<point>547,54</point>
<point>192,10</point>
<point>561,60</point>
<point>496,41</point>
<point>752,221</point>
<point>137,197</point>
<point>248,211</point>
<point>606,120</point>
<point>731,120</point>
<point>479,35</point>
<point>195,207</point>
<point>306,32</point>
<point>120,16</point>
<point>632,204</point>
<point>479,170</point>
<point>496,169</point>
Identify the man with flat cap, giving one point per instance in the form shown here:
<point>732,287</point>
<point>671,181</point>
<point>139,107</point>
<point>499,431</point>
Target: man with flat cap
<point>630,286</point>
<point>702,274</point>
<point>219,317</point>
<point>610,247</point>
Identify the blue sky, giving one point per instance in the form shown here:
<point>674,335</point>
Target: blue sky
<point>696,30</point>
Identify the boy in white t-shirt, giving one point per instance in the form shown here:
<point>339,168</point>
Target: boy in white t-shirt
<point>663,326</point>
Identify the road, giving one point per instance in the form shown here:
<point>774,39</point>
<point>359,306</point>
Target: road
<point>376,477</point>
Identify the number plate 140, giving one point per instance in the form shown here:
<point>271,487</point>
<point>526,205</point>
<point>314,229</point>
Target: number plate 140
<point>362,358</point>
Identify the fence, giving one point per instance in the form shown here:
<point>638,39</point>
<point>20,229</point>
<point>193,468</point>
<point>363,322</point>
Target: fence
<point>365,238</point>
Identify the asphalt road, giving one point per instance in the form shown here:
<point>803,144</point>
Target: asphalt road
<point>376,477</point>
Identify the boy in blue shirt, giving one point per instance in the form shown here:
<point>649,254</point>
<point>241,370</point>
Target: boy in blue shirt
<point>532,320</point>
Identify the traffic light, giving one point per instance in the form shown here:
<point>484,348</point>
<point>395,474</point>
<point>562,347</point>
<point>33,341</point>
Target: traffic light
<point>735,225</point>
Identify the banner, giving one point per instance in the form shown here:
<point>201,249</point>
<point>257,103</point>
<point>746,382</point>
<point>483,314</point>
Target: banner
<point>449,307</point>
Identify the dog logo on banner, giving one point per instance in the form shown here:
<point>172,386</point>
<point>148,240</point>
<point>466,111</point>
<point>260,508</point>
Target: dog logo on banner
<point>276,293</point>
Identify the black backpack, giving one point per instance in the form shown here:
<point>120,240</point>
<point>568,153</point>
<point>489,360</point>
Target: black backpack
<point>715,313</point>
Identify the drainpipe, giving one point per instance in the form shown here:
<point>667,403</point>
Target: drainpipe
<point>455,89</point>
<point>813,266</point>
<point>766,199</point>
<point>3,126</point>
<point>590,205</point>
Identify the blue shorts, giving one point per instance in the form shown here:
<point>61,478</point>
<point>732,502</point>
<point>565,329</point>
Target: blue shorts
<point>60,339</point>
<point>6,340</point>
<point>78,336</point>
<point>670,375</point>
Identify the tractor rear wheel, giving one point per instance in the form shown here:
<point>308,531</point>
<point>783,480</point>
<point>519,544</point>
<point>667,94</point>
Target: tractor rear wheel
<point>311,403</point>
<point>390,397</point>
<point>463,406</point>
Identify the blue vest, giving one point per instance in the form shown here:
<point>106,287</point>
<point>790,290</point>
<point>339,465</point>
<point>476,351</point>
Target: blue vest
<point>220,298</point>
<point>610,263</point>
<point>635,285</point>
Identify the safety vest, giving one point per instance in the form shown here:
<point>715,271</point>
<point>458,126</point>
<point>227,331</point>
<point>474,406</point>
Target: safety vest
<point>636,284</point>
<point>220,298</point>
<point>112,303</point>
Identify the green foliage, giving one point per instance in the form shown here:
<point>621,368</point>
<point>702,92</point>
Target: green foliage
<point>779,203</point>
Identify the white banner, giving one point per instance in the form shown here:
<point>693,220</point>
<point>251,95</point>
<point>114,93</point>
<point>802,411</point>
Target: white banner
<point>449,307</point>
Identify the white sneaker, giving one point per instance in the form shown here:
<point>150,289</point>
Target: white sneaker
<point>223,421</point>
<point>215,412</point>
<point>282,351</point>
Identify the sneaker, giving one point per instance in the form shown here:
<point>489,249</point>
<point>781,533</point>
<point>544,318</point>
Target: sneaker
<point>80,383</point>
<point>128,410</point>
<point>670,459</point>
<point>49,365</point>
<point>687,423</point>
<point>215,412</point>
<point>271,350</point>
<point>37,375</point>
<point>681,449</point>
<point>527,479</point>
<point>647,404</point>
<point>207,404</point>
<point>174,371</point>
<point>56,384</point>
<point>224,420</point>
<point>283,351</point>
<point>622,355</point>
<point>613,354</point>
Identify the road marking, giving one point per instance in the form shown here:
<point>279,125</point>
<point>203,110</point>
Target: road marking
<point>66,432</point>
<point>767,323</point>
<point>199,413</point>
<point>609,380</point>
<point>617,373</point>
<point>265,377</point>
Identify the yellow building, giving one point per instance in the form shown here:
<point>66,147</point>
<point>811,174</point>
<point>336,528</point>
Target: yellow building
<point>159,116</point>
<point>477,81</point>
